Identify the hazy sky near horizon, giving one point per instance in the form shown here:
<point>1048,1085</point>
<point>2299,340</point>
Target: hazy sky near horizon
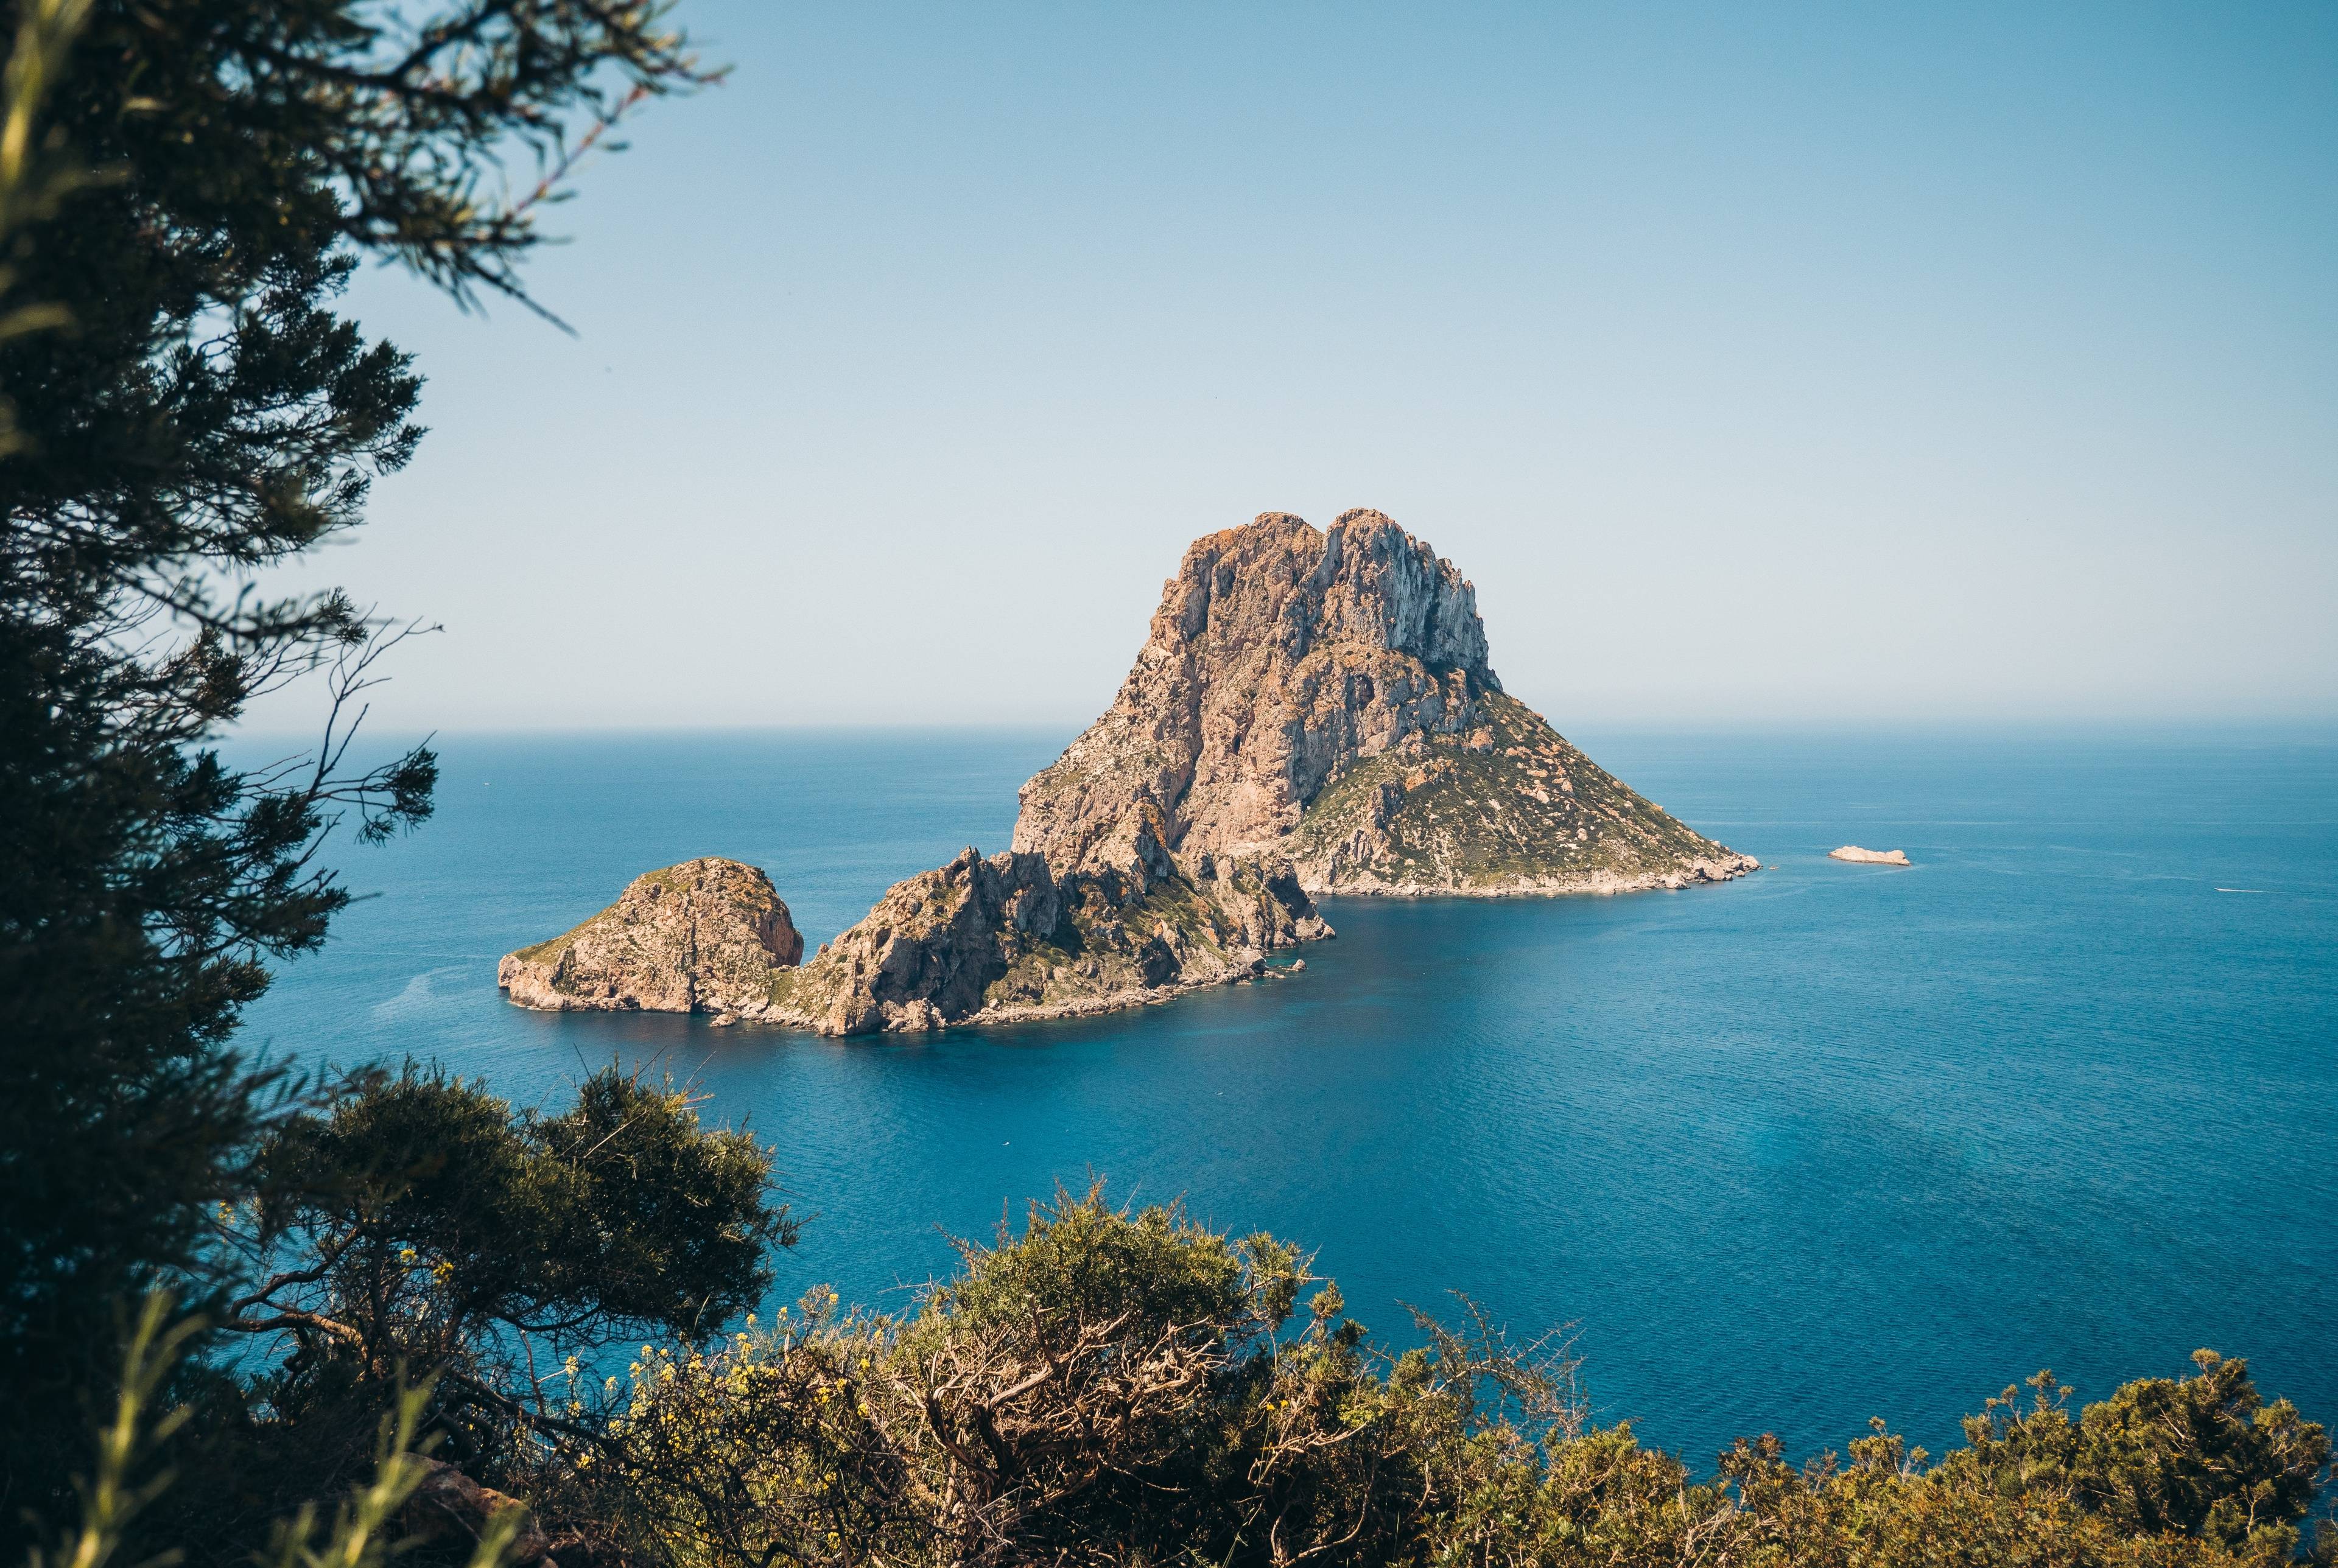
<point>1759,364</point>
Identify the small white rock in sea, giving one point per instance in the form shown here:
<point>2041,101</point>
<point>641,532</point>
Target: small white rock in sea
<point>1870,857</point>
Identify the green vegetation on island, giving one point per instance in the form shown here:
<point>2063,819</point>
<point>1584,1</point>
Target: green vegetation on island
<point>1509,806</point>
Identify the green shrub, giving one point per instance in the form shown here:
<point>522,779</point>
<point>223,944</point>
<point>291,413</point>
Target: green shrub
<point>1118,1386</point>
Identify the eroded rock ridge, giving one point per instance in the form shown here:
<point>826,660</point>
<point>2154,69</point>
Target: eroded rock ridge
<point>1005,939</point>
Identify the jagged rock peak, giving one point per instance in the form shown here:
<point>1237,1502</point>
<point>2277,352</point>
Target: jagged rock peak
<point>1329,696</point>
<point>1278,653</point>
<point>1363,581</point>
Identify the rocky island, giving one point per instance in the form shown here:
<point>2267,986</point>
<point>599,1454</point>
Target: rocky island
<point>1327,696</point>
<point>1001,940</point>
<point>1870,857</point>
<point>703,936</point>
<point>1313,711</point>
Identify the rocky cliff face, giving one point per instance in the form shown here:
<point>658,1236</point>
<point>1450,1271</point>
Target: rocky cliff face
<point>1328,696</point>
<point>703,936</point>
<point>1278,654</point>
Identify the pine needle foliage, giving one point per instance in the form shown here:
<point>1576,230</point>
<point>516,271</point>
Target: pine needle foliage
<point>185,404</point>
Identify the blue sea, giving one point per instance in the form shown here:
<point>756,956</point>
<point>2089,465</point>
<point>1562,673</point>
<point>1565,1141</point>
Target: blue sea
<point>1830,1142</point>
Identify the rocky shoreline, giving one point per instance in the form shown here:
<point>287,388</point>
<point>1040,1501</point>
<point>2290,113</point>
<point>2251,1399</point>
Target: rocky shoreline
<point>1697,874</point>
<point>1314,712</point>
<point>1120,1001</point>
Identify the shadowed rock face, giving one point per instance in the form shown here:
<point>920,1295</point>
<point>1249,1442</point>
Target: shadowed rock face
<point>1005,939</point>
<point>1328,696</point>
<point>703,936</point>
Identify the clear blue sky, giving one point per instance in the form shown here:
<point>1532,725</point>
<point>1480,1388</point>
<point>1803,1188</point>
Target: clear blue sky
<point>1759,364</point>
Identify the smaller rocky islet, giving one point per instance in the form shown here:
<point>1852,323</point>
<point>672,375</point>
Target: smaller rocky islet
<point>1858,856</point>
<point>1312,712</point>
<point>703,936</point>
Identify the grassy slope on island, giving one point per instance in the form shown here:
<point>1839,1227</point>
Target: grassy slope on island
<point>1511,806</point>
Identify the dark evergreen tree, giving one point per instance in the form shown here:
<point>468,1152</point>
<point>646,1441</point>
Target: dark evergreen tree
<point>184,188</point>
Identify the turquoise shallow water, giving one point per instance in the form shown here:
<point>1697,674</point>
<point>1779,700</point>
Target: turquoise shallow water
<point>1830,1142</point>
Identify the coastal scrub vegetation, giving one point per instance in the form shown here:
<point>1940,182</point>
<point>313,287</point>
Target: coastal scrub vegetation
<point>1101,1386</point>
